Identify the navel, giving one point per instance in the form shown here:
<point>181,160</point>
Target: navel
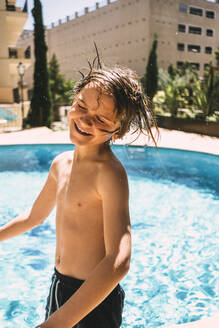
<point>79,204</point>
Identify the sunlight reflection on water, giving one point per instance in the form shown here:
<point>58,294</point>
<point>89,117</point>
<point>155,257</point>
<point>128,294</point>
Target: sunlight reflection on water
<point>174,275</point>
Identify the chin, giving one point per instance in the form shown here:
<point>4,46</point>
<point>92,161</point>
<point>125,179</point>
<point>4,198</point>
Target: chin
<point>75,141</point>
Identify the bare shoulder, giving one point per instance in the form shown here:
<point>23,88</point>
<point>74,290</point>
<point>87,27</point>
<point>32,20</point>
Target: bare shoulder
<point>65,156</point>
<point>61,161</point>
<point>112,175</point>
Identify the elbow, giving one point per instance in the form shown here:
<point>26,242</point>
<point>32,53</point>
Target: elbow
<point>125,266</point>
<point>122,267</point>
<point>34,221</point>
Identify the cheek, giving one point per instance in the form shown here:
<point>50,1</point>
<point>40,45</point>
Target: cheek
<point>72,114</point>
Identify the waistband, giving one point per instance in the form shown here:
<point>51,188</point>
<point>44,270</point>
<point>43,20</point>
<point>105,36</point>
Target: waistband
<point>73,282</point>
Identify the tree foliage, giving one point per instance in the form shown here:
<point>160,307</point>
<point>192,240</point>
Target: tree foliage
<point>205,93</point>
<point>184,89</point>
<point>174,93</point>
<point>150,79</point>
<point>172,71</point>
<point>61,88</point>
<point>216,56</point>
<point>40,109</point>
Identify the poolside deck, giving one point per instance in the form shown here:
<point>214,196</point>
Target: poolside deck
<point>168,139</point>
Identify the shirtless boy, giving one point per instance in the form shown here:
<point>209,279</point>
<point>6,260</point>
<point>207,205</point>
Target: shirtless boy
<point>90,190</point>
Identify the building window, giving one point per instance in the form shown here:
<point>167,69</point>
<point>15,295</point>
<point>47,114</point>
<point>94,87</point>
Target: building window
<point>182,8</point>
<point>181,28</point>
<point>210,14</point>
<point>206,66</point>
<point>195,30</point>
<point>195,66</point>
<point>12,53</point>
<point>194,48</point>
<point>209,32</point>
<point>27,53</point>
<point>180,46</point>
<point>208,50</point>
<point>10,7</point>
<point>196,11</point>
<point>179,64</point>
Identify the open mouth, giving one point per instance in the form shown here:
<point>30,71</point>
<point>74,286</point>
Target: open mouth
<point>81,131</point>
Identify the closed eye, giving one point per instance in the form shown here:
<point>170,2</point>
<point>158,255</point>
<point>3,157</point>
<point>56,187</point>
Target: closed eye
<point>82,107</point>
<point>99,119</point>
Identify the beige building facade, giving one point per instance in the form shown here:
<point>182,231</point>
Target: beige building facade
<point>187,30</point>
<point>12,21</point>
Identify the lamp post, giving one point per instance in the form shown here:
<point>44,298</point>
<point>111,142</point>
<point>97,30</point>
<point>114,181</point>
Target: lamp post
<point>21,71</point>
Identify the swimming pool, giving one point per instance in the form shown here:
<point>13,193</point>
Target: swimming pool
<point>174,205</point>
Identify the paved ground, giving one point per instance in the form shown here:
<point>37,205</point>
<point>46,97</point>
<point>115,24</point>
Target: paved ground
<point>169,139</point>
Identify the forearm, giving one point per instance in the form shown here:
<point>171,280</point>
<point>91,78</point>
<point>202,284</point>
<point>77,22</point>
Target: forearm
<point>94,290</point>
<point>17,226</point>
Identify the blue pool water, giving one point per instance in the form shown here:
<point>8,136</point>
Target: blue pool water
<point>174,205</point>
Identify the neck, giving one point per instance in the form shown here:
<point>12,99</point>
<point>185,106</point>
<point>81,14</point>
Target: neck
<point>90,152</point>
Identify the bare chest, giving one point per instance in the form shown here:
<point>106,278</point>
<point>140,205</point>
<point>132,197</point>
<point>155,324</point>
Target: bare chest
<point>79,206</point>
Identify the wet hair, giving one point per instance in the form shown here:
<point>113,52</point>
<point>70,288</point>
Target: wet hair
<point>133,107</point>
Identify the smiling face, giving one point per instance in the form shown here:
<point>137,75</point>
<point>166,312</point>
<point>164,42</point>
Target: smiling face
<point>92,118</point>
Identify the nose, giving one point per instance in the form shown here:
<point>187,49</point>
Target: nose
<point>86,119</point>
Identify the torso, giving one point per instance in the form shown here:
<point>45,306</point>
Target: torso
<point>79,218</point>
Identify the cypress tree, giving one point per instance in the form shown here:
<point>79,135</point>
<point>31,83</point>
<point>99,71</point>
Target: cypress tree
<point>210,90</point>
<point>40,111</point>
<point>150,80</point>
<point>61,88</point>
<point>56,85</point>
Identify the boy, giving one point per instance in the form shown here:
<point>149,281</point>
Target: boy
<point>90,190</point>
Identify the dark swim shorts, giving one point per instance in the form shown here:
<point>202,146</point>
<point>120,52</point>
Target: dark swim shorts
<point>107,314</point>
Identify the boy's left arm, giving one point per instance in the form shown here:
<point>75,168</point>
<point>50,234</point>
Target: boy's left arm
<point>113,189</point>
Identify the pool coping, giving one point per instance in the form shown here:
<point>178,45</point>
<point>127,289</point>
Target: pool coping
<point>172,139</point>
<point>114,145</point>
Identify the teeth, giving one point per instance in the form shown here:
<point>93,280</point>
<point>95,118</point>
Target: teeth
<point>82,130</point>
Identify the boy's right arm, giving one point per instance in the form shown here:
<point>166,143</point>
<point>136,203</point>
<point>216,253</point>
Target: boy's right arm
<point>42,206</point>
